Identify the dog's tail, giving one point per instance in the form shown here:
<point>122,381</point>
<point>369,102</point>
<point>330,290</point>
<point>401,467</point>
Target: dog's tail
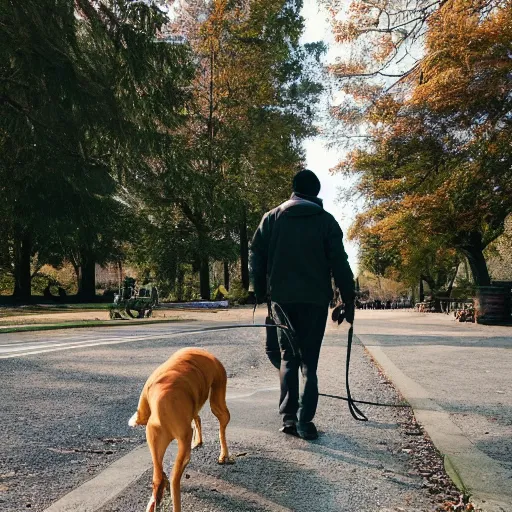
<point>143,413</point>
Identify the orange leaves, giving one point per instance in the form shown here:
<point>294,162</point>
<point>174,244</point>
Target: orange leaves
<point>384,109</point>
<point>437,170</point>
<point>468,57</point>
<point>346,32</point>
<point>346,69</point>
<point>362,91</point>
<point>384,49</point>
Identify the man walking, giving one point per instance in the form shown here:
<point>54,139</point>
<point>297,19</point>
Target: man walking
<point>296,249</point>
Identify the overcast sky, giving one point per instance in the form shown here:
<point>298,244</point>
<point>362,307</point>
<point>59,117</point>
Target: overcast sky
<point>319,158</point>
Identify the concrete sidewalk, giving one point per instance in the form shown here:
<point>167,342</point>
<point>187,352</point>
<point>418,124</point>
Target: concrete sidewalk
<point>458,378</point>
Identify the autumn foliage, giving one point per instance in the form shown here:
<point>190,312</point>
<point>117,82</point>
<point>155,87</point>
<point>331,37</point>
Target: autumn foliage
<point>434,104</point>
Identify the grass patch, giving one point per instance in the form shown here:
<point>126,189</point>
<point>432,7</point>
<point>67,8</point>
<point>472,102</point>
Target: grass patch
<point>86,323</point>
<point>59,307</point>
<point>51,308</point>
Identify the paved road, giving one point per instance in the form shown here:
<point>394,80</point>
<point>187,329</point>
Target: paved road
<point>41,342</point>
<point>460,377</point>
<point>64,420</point>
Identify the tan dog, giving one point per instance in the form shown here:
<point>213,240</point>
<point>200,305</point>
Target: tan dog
<point>171,399</point>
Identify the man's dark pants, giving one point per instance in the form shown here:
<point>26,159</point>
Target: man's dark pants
<point>308,321</point>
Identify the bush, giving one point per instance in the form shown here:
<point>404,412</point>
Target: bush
<point>6,284</point>
<point>237,293</point>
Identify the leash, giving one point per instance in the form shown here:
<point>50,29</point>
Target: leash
<point>287,328</point>
<point>354,410</point>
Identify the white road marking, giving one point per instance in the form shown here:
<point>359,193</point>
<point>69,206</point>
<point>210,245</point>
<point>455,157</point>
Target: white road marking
<point>77,339</point>
<point>8,353</point>
<point>112,481</point>
<point>53,347</point>
<point>251,394</point>
<point>92,495</point>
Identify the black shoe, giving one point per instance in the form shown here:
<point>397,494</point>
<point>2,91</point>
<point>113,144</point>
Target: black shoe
<point>290,430</point>
<point>307,431</point>
<point>289,425</point>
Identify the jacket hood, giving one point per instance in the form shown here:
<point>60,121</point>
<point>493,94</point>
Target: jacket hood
<point>300,205</point>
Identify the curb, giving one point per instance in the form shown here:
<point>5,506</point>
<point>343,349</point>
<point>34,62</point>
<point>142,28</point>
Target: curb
<point>108,484</point>
<point>454,475</point>
<point>84,324</point>
<point>472,471</point>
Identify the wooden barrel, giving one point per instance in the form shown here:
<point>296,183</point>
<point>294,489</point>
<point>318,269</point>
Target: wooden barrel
<point>493,305</point>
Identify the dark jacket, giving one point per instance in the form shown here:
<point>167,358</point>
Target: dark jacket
<point>299,246</point>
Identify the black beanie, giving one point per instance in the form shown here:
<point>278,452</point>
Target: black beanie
<point>305,182</point>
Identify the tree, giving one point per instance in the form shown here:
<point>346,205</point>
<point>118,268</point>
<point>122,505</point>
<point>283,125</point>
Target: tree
<point>87,101</point>
<point>436,155</point>
<point>250,112</point>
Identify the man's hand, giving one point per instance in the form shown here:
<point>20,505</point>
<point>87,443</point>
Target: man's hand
<point>253,298</point>
<point>350,310</point>
<point>261,299</point>
<point>343,312</point>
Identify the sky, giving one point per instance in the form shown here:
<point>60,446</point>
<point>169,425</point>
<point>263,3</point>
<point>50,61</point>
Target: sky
<point>318,157</point>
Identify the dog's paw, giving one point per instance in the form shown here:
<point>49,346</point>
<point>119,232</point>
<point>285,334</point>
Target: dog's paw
<point>151,507</point>
<point>227,460</point>
<point>197,445</point>
<point>165,505</point>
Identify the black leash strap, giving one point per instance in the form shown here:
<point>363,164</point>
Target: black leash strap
<point>287,328</point>
<point>354,410</point>
<point>278,312</point>
<point>351,402</point>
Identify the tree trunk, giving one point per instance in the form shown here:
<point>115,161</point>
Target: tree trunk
<point>422,292</point>
<point>180,283</point>
<point>452,281</point>
<point>244,251</point>
<point>204,278</point>
<point>76,269</point>
<point>22,274</point>
<point>120,268</point>
<point>226,275</point>
<point>211,129</point>
<point>87,287</point>
<point>473,251</point>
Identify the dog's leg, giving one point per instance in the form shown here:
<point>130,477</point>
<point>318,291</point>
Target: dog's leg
<point>158,441</point>
<point>198,437</point>
<point>221,411</point>
<point>182,459</point>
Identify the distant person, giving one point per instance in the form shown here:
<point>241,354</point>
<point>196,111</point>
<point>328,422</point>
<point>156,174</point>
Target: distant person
<point>294,252</point>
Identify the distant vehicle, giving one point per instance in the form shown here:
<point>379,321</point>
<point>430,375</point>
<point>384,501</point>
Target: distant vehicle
<point>132,302</point>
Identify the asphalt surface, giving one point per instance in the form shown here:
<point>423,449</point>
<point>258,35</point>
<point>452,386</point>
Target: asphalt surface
<point>457,376</point>
<point>465,368</point>
<point>65,409</point>
<point>41,342</point>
